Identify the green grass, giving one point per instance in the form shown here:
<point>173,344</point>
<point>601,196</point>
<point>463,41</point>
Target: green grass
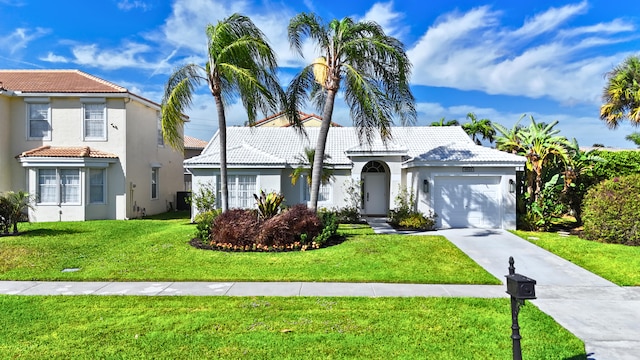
<point>616,263</point>
<point>158,250</point>
<point>90,327</point>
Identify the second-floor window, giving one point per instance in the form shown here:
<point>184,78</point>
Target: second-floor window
<point>95,121</point>
<point>159,129</point>
<point>39,121</point>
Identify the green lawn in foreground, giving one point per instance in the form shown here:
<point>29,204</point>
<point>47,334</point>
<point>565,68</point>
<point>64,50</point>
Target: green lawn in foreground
<point>90,327</point>
<point>158,250</point>
<point>616,263</point>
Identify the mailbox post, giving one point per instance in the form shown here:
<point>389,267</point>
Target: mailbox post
<point>520,288</point>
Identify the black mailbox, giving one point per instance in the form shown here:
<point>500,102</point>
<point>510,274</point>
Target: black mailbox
<point>521,287</point>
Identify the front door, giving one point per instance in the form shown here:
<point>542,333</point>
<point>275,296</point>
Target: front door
<point>375,193</point>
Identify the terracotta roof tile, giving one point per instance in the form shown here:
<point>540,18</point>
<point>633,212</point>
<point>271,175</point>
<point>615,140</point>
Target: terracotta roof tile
<point>56,81</point>
<point>66,151</point>
<point>193,143</point>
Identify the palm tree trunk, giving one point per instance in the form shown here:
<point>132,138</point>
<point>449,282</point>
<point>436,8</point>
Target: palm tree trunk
<point>316,175</point>
<point>222,135</point>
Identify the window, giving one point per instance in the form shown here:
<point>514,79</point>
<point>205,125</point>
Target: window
<point>95,121</point>
<point>48,186</point>
<point>39,121</point>
<point>154,182</point>
<point>159,128</point>
<point>323,195</point>
<point>96,186</point>
<point>59,186</point>
<point>241,189</point>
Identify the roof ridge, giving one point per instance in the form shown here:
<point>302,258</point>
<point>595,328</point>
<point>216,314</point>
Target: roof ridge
<point>100,80</point>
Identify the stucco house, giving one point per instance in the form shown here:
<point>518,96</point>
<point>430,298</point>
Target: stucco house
<point>465,184</point>
<point>84,147</point>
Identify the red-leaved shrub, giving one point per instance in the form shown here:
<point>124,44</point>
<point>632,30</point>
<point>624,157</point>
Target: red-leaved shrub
<point>236,227</point>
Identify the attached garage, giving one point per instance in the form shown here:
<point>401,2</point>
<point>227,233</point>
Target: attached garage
<point>468,201</point>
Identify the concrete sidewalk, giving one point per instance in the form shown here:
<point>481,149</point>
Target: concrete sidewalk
<point>248,289</point>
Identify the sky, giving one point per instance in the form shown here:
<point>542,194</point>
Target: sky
<point>497,59</point>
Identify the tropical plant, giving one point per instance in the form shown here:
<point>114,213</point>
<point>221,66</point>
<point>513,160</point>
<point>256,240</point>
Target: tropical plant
<point>205,198</point>
<point>405,215</point>
<point>479,128</point>
<point>306,161</point>
<point>13,208</point>
<point>443,122</point>
<point>621,95</point>
<point>508,139</point>
<point>268,204</point>
<point>371,69</point>
<point>578,177</point>
<point>634,137</point>
<point>240,64</point>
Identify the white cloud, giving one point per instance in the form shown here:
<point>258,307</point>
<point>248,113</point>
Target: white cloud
<point>20,38</point>
<point>130,55</point>
<point>473,51</point>
<point>384,15</point>
<point>127,5</point>
<point>51,57</point>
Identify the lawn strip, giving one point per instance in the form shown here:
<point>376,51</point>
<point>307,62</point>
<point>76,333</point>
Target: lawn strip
<point>158,250</point>
<point>616,263</point>
<point>84,327</point>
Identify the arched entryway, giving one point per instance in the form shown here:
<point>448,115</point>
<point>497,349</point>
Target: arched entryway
<point>375,188</point>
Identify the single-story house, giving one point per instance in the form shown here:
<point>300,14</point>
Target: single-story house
<point>465,184</point>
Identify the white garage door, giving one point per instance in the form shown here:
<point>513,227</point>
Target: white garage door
<point>467,201</point>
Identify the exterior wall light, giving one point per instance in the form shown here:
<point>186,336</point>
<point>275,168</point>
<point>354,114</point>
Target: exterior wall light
<point>425,186</point>
<point>512,186</point>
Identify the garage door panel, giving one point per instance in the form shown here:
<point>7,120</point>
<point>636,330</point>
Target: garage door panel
<point>462,201</point>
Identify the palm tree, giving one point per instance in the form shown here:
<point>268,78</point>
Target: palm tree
<point>508,139</point>
<point>634,137</point>
<point>476,128</point>
<point>305,168</point>
<point>442,122</point>
<point>621,95</point>
<point>15,206</point>
<point>372,68</point>
<point>240,63</point>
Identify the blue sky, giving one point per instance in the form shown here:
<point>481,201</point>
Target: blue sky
<point>498,59</point>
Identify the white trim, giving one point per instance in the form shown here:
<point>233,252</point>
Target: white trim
<point>32,162</point>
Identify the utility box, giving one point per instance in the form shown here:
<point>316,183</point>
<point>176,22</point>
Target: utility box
<point>521,287</point>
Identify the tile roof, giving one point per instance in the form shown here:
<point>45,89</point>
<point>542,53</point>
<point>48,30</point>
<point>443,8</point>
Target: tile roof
<point>280,146</point>
<point>66,152</point>
<point>56,81</point>
<point>193,143</point>
<point>304,117</point>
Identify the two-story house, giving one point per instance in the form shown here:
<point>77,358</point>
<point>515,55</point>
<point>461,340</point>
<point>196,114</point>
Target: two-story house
<point>84,147</point>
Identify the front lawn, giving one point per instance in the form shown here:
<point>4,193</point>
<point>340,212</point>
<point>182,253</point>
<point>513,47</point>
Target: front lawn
<point>616,263</point>
<point>158,250</point>
<point>91,327</point>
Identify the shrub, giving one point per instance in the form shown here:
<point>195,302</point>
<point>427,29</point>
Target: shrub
<point>13,209</point>
<point>611,211</point>
<point>417,221</point>
<point>205,198</point>
<point>329,222</point>
<point>296,228</point>
<point>405,217</point>
<point>204,223</point>
<point>235,227</point>
<point>348,215</point>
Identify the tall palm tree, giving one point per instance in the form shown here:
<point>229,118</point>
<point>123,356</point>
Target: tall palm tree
<point>240,63</point>
<point>442,122</point>
<point>476,128</point>
<point>305,168</point>
<point>621,95</point>
<point>371,67</point>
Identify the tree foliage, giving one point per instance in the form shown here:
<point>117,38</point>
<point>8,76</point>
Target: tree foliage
<point>358,59</point>
<point>478,129</point>
<point>621,95</point>
<point>240,64</point>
